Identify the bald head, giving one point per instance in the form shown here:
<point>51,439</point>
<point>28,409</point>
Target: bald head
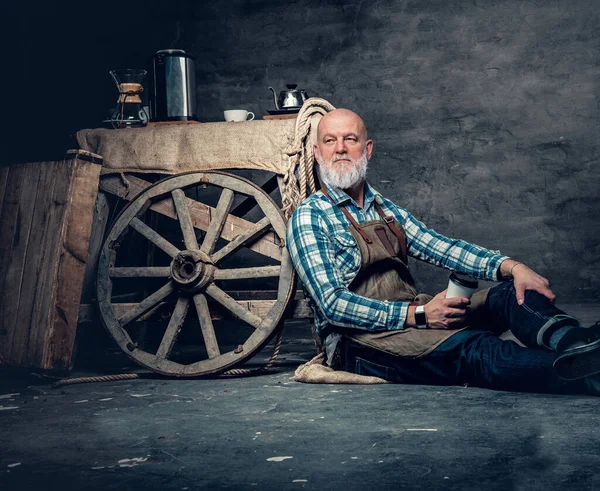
<point>342,131</point>
<point>342,118</point>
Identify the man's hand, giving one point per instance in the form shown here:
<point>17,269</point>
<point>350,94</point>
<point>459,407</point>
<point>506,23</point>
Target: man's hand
<point>446,313</point>
<point>525,278</point>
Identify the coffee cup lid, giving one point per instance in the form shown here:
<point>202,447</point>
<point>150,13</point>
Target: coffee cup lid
<point>464,280</point>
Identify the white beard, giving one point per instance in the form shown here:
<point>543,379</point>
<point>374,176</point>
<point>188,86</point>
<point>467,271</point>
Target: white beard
<point>343,180</point>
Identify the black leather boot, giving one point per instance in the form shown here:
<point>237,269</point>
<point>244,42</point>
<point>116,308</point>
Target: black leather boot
<point>578,353</point>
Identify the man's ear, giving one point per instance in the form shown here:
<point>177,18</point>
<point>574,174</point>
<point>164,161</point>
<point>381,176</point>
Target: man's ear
<point>369,146</point>
<point>317,153</point>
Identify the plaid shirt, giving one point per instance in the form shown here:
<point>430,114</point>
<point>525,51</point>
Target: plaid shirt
<point>327,258</point>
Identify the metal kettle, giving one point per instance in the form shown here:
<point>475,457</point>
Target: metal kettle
<point>289,99</point>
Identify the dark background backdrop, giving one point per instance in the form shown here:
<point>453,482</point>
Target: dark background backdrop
<point>485,114</point>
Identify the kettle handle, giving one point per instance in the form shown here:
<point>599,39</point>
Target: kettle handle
<point>274,98</point>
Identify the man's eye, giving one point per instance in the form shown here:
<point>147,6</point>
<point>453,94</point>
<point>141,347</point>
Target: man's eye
<point>351,138</point>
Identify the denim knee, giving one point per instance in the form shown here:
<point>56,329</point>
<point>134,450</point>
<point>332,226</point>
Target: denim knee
<point>503,288</point>
<point>507,290</point>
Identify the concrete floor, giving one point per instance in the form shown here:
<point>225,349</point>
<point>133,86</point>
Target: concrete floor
<point>269,432</point>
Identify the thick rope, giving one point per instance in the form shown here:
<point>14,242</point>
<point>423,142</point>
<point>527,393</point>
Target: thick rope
<point>88,380</point>
<point>234,372</point>
<point>299,180</point>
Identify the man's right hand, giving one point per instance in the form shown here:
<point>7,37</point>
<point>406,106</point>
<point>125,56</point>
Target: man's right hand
<point>446,313</point>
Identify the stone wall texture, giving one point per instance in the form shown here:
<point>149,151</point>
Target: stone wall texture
<point>485,114</point>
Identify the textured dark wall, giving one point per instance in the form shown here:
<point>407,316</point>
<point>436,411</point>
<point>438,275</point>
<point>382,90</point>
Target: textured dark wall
<point>484,113</point>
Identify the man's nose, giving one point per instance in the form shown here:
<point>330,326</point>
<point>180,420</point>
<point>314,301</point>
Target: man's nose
<point>340,146</point>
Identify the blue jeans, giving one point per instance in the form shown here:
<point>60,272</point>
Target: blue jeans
<point>477,356</point>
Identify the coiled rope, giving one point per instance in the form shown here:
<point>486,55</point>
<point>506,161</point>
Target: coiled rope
<point>299,181</point>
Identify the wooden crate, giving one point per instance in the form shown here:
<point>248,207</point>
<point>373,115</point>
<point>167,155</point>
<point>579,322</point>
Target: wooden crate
<point>46,213</point>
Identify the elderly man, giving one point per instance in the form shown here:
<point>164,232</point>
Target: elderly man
<point>350,245</point>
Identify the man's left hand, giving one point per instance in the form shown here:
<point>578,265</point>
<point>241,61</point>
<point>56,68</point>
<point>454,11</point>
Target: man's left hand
<point>525,278</point>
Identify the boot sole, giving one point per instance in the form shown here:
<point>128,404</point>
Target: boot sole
<point>579,362</point>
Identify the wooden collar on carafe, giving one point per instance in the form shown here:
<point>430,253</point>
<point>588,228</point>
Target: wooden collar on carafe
<point>130,92</point>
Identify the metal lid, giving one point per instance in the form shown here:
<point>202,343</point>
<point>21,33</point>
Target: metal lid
<point>173,52</point>
<point>464,280</point>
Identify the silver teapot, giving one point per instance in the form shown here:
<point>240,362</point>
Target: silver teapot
<point>289,99</point>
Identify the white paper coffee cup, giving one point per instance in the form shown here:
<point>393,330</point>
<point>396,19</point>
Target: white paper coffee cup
<point>461,285</point>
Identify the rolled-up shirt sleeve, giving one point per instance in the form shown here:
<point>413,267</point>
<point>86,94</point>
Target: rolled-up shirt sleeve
<point>313,255</point>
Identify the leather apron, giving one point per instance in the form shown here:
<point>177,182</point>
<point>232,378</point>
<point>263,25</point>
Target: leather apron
<point>384,275</point>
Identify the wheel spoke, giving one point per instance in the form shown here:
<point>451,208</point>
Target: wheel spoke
<point>218,220</point>
<point>185,220</point>
<point>251,234</point>
<point>173,328</point>
<point>208,330</point>
<point>141,272</point>
<point>146,304</point>
<point>234,307</point>
<point>154,237</point>
<point>247,273</point>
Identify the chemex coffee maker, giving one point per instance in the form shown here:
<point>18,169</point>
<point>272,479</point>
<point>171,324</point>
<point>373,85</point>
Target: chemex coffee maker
<point>174,86</point>
<point>129,111</point>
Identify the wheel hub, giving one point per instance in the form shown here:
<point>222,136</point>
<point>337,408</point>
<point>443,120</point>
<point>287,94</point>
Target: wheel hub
<point>192,270</point>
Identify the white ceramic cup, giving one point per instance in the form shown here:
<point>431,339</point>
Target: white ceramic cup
<point>238,115</point>
<point>461,285</point>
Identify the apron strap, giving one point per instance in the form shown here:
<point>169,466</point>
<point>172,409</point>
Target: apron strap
<point>395,230</point>
<point>350,218</point>
<point>380,232</point>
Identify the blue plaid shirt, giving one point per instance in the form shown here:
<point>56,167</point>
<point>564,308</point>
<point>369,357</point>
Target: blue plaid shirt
<point>327,258</point>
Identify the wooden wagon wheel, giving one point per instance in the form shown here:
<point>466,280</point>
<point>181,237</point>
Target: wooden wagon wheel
<point>193,278</point>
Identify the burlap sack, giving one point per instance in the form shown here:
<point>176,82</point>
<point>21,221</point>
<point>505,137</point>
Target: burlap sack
<point>171,149</point>
<point>315,372</point>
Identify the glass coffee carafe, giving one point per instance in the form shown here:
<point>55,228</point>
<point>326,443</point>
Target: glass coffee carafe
<point>129,112</point>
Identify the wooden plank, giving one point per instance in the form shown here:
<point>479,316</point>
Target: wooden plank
<point>99,224</point>
<point>19,201</point>
<point>201,214</point>
<point>76,229</point>
<point>8,221</point>
<point>52,204</point>
<point>30,290</point>
<point>140,272</point>
<point>281,116</point>
<point>297,309</point>
<point>171,123</point>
